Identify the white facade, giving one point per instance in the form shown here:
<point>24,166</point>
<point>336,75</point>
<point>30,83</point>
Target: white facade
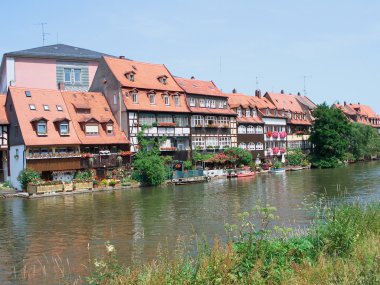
<point>17,163</point>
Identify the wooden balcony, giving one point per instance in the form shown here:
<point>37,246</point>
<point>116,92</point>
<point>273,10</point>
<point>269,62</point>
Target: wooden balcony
<point>111,160</point>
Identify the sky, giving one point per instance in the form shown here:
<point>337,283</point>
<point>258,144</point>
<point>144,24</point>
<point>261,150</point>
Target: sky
<point>331,45</point>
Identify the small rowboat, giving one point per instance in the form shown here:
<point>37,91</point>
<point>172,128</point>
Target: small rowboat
<point>246,174</point>
<point>278,170</point>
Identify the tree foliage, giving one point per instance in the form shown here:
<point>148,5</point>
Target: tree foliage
<point>330,136</point>
<point>27,175</point>
<point>148,166</point>
<point>365,141</point>
<point>238,156</point>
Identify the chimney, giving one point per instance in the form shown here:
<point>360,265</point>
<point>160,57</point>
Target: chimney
<point>61,86</point>
<point>358,103</point>
<point>192,77</point>
<point>258,93</point>
<point>344,103</point>
<point>282,91</point>
<point>299,93</point>
<point>234,91</point>
<point>122,57</point>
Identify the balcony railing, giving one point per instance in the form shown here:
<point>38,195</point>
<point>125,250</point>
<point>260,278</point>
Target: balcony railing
<point>53,155</point>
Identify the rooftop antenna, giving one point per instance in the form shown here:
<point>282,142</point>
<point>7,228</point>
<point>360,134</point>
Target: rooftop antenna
<point>304,83</point>
<point>43,32</point>
<point>257,82</point>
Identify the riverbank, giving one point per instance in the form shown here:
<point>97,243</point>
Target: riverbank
<point>342,247</point>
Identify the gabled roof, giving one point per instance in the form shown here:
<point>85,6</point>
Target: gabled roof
<point>364,110</point>
<point>238,99</point>
<point>200,87</point>
<point>3,114</point>
<point>40,97</point>
<point>146,74</point>
<point>284,102</point>
<point>99,112</point>
<point>346,109</point>
<point>59,51</point>
<point>306,101</point>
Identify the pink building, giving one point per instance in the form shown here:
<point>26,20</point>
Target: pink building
<point>49,67</point>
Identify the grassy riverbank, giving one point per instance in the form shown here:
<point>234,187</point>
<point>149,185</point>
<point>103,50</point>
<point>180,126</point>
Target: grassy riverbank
<point>342,247</point>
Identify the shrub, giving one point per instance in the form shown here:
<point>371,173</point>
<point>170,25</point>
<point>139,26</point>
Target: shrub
<point>28,175</point>
<point>187,164</point>
<point>85,175</point>
<point>104,182</point>
<point>112,183</point>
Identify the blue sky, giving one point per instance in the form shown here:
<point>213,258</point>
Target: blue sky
<point>335,43</point>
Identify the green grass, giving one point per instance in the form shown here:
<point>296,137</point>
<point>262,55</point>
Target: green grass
<point>342,247</point>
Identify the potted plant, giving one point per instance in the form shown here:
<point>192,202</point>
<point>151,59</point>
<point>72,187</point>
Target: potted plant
<point>112,183</point>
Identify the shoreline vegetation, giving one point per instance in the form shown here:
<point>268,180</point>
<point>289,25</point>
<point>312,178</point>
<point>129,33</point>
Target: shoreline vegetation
<point>340,247</point>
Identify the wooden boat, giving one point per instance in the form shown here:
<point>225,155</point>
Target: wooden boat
<point>232,175</point>
<point>296,168</point>
<point>278,170</point>
<point>246,174</point>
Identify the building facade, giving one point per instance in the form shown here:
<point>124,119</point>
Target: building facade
<point>213,123</point>
<point>49,67</point>
<point>4,123</point>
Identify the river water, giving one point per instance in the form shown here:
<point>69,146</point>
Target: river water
<point>44,239</point>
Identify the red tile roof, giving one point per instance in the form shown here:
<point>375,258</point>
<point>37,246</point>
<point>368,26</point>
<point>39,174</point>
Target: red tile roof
<point>143,103</point>
<point>99,111</point>
<point>285,102</point>
<point>250,120</point>
<point>346,109</point>
<point>3,114</point>
<point>364,110</point>
<point>146,74</point>
<point>40,97</point>
<point>238,99</point>
<point>201,87</point>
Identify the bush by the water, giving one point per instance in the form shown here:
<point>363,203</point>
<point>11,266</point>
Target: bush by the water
<point>342,247</point>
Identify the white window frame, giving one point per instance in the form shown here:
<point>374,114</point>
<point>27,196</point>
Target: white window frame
<point>44,124</point>
<point>166,100</point>
<point>90,129</point>
<point>192,102</point>
<point>60,128</point>
<point>247,112</point>
<point>213,104</point>
<point>211,141</point>
<point>254,113</point>
<point>251,146</point>
<point>242,129</point>
<point>243,145</point>
<point>221,104</point>
<point>259,130</point>
<point>152,99</point>
<point>259,146</point>
<point>223,120</point>
<point>239,112</point>
<point>224,141</point>
<point>176,101</point>
<point>109,129</point>
<point>202,103</point>
<point>251,129</point>
<point>147,119</point>
<point>135,98</point>
<point>197,120</point>
<point>198,141</point>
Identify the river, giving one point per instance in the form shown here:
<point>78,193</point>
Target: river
<point>42,239</point>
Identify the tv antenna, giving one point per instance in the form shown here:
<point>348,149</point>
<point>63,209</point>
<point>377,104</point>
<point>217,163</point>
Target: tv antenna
<point>257,82</point>
<point>43,32</point>
<point>304,83</point>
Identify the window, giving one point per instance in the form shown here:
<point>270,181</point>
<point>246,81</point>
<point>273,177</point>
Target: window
<point>247,113</point>
<point>92,129</point>
<point>115,99</point>
<point>28,94</point>
<point>202,103</point>
<point>242,145</point>
<point>251,146</point>
<point>211,120</point>
<point>59,108</point>
<point>213,104</point>
<point>163,79</point>
<point>72,75</point>
<point>224,120</point>
<point>197,121</point>
<point>130,76</point>
<point>181,121</point>
<point>289,115</point>
<point>152,99</point>
<point>64,128</point>
<point>32,107</point>
<point>221,104</point>
<point>283,113</point>
<point>259,146</point>
<point>250,130</point>
<point>224,141</point>
<point>192,102</point>
<point>41,128</point>
<point>239,112</point>
<point>198,142</point>
<point>275,112</point>
<point>166,100</point>
<point>46,108</point>
<point>211,141</point>
<point>208,103</point>
<point>164,119</point>
<point>304,117</point>
<point>242,129</point>
<point>267,112</point>
<point>254,113</point>
<point>147,119</point>
<point>109,129</point>
<point>259,130</point>
<point>176,100</point>
<point>134,97</point>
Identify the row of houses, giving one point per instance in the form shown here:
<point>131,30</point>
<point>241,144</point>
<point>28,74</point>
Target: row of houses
<point>65,108</point>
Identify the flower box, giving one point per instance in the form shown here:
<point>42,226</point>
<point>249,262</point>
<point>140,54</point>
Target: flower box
<point>67,187</point>
<point>166,124</point>
<point>35,189</point>
<point>168,148</point>
<point>85,185</point>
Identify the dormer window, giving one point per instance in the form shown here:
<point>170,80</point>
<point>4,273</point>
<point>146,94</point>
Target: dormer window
<point>283,114</point>
<point>289,115</point>
<point>176,100</point>
<point>130,75</point>
<point>163,79</point>
<point>275,112</point>
<point>41,128</point>
<point>247,113</point>
<point>202,103</point>
<point>166,100</point>
<point>46,108</point>
<point>213,104</point>
<point>254,113</point>
<point>192,102</point>
<point>239,112</point>
<point>64,128</point>
<point>135,98</point>
<point>91,129</point>
<point>152,99</point>
<point>109,129</point>
<point>267,112</point>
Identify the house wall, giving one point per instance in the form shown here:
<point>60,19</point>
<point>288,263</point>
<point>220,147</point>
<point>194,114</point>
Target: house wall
<point>16,164</point>
<point>13,138</point>
<point>35,73</point>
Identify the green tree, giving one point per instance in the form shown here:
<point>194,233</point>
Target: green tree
<point>365,141</point>
<point>148,166</point>
<point>28,175</point>
<point>238,156</point>
<point>330,136</point>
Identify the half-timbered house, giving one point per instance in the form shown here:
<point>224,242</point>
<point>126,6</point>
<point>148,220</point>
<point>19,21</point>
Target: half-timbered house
<point>4,123</point>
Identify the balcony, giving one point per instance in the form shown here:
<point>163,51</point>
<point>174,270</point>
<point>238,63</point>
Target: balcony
<point>53,156</point>
<point>104,160</point>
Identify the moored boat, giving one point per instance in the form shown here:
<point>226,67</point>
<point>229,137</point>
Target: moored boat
<point>278,170</point>
<point>246,174</point>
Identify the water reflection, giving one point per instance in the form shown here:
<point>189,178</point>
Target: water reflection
<point>36,234</point>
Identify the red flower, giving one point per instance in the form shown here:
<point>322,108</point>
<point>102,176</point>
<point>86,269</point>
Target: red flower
<point>275,135</point>
<point>269,134</point>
